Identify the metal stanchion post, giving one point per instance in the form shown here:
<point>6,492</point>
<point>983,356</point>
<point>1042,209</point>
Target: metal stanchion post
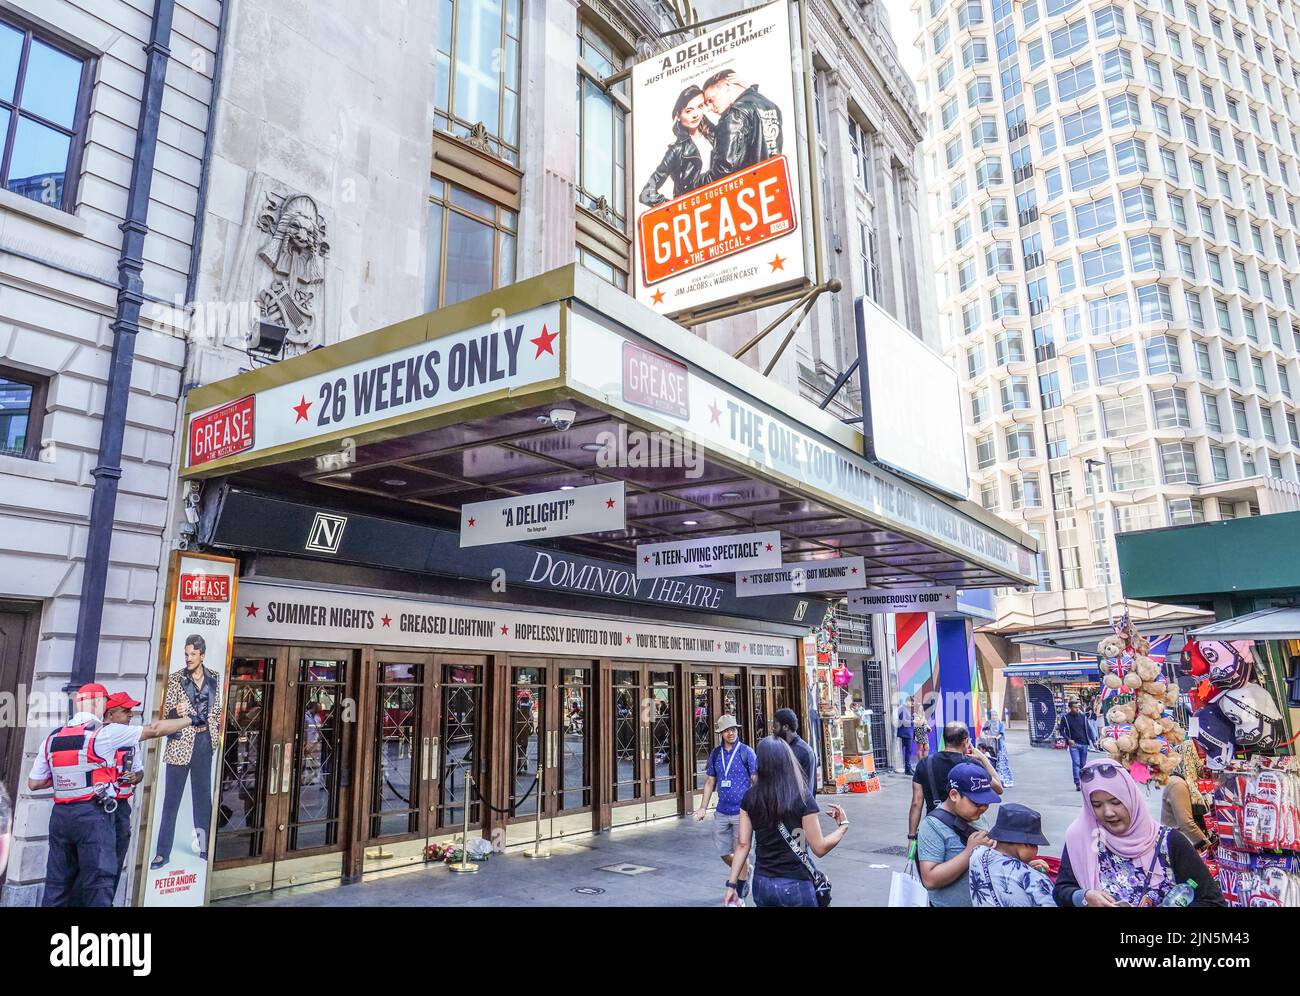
<point>465,865</point>
<point>537,851</point>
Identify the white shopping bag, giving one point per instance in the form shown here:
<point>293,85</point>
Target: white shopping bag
<point>905,888</point>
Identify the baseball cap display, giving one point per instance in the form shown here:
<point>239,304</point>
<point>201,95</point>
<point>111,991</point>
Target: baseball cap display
<point>1216,735</point>
<point>972,781</point>
<point>1253,714</point>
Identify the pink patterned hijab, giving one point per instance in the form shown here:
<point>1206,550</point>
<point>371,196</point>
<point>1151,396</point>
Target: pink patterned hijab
<point>1137,844</point>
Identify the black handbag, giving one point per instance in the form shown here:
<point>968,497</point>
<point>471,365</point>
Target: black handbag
<point>821,884</point>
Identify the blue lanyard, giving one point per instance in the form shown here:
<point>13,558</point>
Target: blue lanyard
<point>726,762</point>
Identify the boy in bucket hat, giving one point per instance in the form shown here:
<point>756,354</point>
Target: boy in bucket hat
<point>952,832</point>
<point>732,768</point>
<point>1004,873</point>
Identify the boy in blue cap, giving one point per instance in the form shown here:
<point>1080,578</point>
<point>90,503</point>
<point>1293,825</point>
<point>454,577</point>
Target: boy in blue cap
<point>1005,873</point>
<point>950,834</point>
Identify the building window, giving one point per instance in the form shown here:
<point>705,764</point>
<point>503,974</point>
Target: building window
<point>1185,511</point>
<point>1178,461</point>
<point>1123,416</point>
<point>602,131</point>
<point>1020,443</point>
<point>481,235</point>
<point>43,106</point>
<point>1130,470</point>
<point>986,453</point>
<point>1116,364</point>
<point>1170,407</point>
<point>477,60</point>
<point>22,410</point>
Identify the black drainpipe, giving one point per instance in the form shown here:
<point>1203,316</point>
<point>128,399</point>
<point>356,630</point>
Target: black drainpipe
<point>130,298</point>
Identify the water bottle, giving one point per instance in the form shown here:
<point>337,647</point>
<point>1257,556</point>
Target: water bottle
<point>1181,894</point>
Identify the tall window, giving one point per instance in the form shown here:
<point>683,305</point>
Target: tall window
<point>602,131</point>
<point>481,234</point>
<point>22,408</point>
<point>43,90</point>
<point>478,72</point>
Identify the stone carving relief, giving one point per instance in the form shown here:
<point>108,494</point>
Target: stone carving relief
<point>294,255</point>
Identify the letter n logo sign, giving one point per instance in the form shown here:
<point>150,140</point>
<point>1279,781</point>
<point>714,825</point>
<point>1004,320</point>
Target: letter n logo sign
<point>326,533</point>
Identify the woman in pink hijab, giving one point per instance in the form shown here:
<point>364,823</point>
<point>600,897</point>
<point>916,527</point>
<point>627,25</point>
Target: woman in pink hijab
<point>1117,855</point>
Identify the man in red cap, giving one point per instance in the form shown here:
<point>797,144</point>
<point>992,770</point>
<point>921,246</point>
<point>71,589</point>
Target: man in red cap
<point>130,772</point>
<point>77,761</point>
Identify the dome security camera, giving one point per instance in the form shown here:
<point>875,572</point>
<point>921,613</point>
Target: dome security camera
<point>562,418</point>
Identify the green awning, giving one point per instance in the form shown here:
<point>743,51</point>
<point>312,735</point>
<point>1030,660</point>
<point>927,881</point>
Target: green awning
<point>1187,565</point>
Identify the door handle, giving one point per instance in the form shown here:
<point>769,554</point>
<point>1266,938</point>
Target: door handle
<point>273,786</point>
<point>287,771</point>
<point>435,770</point>
<point>424,764</point>
<point>550,749</point>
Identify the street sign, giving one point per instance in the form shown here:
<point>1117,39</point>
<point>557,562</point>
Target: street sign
<point>921,599</point>
<point>597,508</point>
<point>836,574</point>
<point>709,555</point>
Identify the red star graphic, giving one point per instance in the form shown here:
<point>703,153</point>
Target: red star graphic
<point>609,502</point>
<point>715,413</point>
<point>657,297</point>
<point>769,548</point>
<point>250,610</point>
<point>853,570</point>
<point>744,580</point>
<point>645,560</point>
<point>302,407</point>
<point>629,639</point>
<point>505,630</point>
<point>386,619</point>
<point>471,522</point>
<point>777,263</point>
<point>544,342</point>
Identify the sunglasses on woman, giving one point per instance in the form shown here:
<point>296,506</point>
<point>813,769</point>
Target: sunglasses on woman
<point>1105,770</point>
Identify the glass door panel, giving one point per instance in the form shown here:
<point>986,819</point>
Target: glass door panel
<point>702,722</point>
<point>626,799</point>
<point>395,776</point>
<point>460,708</point>
<point>572,777</point>
<point>664,741</point>
<point>527,732</point>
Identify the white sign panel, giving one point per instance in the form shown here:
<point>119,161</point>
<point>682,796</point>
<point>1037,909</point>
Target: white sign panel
<point>716,166</point>
<point>709,555</point>
<point>725,421</point>
<point>197,645</point>
<point>919,599</point>
<point>914,396</point>
<point>280,612</point>
<point>837,574</point>
<point>596,508</point>
<point>508,353</point>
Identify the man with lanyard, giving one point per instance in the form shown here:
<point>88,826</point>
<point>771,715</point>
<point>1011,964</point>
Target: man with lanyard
<point>732,769</point>
<point>130,772</point>
<point>77,761</point>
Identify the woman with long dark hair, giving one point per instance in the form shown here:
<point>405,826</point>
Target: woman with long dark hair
<point>775,813</point>
<point>684,162</point>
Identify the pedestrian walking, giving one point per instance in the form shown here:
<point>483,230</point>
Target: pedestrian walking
<point>1006,873</point>
<point>1182,806</point>
<point>996,729</point>
<point>920,732</point>
<point>785,724</point>
<point>779,820</point>
<point>76,760</point>
<point>904,732</point>
<point>949,835</point>
<point>1117,855</point>
<point>1078,737</point>
<point>129,762</point>
<point>732,768</point>
<point>930,780</point>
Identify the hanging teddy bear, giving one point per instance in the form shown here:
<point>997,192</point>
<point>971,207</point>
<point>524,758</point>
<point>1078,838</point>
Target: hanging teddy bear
<point>1141,727</point>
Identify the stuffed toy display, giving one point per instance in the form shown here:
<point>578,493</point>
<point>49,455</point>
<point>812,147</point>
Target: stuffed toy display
<point>1141,727</point>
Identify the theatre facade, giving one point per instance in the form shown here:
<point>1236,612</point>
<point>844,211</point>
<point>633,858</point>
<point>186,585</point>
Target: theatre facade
<point>404,664</point>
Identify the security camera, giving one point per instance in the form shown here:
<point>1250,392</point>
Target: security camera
<point>562,418</point>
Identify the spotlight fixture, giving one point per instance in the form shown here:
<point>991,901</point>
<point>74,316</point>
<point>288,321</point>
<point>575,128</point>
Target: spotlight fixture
<point>268,339</point>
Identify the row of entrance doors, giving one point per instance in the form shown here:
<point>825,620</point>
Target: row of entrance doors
<point>342,761</point>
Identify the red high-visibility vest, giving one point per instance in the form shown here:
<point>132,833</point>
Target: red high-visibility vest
<point>77,770</point>
<point>122,762</point>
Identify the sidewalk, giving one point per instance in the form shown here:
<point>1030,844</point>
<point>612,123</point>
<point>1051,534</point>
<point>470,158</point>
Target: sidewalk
<point>680,866</point>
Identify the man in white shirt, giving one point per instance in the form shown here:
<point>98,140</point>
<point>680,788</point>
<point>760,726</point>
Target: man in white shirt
<point>77,761</point>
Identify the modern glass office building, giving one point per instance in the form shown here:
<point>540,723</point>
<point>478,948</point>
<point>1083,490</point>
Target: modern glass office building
<point>1114,191</point>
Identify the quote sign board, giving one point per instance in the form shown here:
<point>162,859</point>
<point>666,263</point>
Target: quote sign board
<point>597,508</point>
<point>836,574</point>
<point>716,167</point>
<point>918,599</point>
<point>709,555</point>
<point>505,354</point>
<point>196,645</point>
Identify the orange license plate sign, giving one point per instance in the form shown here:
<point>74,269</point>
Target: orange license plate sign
<point>728,216</point>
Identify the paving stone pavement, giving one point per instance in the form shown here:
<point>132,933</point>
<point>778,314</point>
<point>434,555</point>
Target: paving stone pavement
<point>686,870</point>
